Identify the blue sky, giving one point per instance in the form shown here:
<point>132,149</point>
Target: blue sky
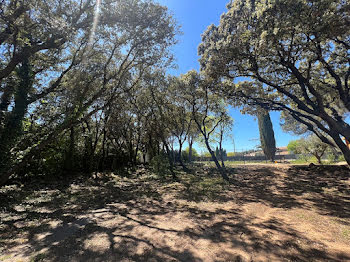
<point>195,16</point>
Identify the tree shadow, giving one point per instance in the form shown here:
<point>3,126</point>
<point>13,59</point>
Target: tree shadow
<point>132,220</point>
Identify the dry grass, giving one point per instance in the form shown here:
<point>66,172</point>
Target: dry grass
<point>267,213</point>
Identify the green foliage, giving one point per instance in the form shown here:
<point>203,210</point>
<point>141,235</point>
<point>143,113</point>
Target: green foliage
<point>341,158</point>
<point>231,154</point>
<point>309,145</point>
<point>160,165</point>
<point>92,78</point>
<point>220,153</point>
<point>206,154</point>
<point>294,57</point>
<point>185,154</point>
<point>289,124</point>
<point>293,147</point>
<point>303,158</point>
<point>332,157</point>
<point>267,136</point>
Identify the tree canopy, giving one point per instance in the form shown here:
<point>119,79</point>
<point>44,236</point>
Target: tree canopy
<point>294,57</point>
<point>71,65</point>
<point>85,85</point>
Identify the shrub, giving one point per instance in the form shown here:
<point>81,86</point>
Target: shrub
<point>332,158</point>
<point>341,158</point>
<point>185,154</point>
<point>160,165</point>
<point>231,154</point>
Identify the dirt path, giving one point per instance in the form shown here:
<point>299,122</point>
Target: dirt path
<point>269,213</point>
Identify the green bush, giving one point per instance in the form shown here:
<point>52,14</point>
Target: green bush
<point>332,158</point>
<point>160,165</point>
<point>231,154</point>
<point>304,158</point>
<point>185,154</point>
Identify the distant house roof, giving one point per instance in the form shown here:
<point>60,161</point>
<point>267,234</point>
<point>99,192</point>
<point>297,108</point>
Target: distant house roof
<point>279,151</point>
<point>282,151</point>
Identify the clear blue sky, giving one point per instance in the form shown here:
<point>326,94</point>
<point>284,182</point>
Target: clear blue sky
<point>194,16</point>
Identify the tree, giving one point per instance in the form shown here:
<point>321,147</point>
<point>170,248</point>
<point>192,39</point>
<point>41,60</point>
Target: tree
<point>193,135</point>
<point>186,154</point>
<point>224,129</point>
<point>310,145</point>
<point>34,42</point>
<point>267,137</point>
<point>61,67</point>
<point>294,56</point>
<point>293,147</point>
<point>207,110</point>
<point>180,119</point>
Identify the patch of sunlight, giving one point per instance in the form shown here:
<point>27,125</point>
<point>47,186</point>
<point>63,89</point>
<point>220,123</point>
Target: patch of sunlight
<point>98,243</point>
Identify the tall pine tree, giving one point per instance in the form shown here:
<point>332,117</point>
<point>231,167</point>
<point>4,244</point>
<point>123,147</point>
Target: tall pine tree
<point>267,136</point>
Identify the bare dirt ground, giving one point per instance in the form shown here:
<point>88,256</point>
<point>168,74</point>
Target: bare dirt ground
<point>268,213</point>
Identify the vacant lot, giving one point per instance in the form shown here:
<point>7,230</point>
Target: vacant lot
<point>267,213</point>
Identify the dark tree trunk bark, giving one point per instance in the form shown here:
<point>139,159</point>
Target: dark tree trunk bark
<point>69,161</point>
<point>221,151</point>
<point>343,147</point>
<point>103,157</point>
<point>171,164</point>
<point>137,150</point>
<point>220,168</point>
<point>318,159</point>
<point>190,144</point>
<point>180,157</point>
<point>13,124</point>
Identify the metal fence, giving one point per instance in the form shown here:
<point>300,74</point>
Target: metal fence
<point>253,156</point>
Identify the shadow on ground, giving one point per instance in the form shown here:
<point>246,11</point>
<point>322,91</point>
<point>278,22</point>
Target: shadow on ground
<point>200,218</point>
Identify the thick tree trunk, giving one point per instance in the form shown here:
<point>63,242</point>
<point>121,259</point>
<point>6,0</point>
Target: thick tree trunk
<point>347,156</point>
<point>13,124</point>
<point>343,147</point>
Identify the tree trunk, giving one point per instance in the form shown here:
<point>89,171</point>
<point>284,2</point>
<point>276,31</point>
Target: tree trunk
<point>222,160</point>
<point>190,143</point>
<point>170,160</point>
<point>103,157</point>
<point>136,151</point>
<point>12,130</point>
<point>343,147</point>
<point>220,168</point>
<point>180,156</point>
<point>221,150</point>
<point>69,161</point>
<point>318,159</point>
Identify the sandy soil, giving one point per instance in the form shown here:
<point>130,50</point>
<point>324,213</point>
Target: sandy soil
<point>267,213</point>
